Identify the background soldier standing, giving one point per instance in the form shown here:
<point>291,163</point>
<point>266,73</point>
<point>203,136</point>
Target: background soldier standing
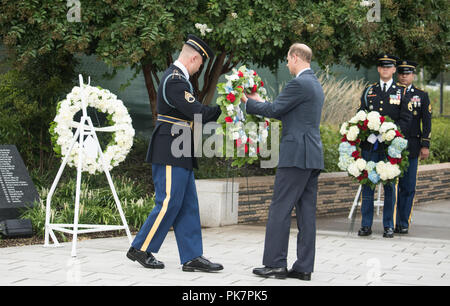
<point>387,98</point>
<point>418,143</point>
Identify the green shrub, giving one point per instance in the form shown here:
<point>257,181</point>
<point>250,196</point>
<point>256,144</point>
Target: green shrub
<point>330,140</point>
<point>97,205</point>
<point>440,141</point>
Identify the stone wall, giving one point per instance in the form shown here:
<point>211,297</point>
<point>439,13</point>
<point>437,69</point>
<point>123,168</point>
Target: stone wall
<point>336,192</point>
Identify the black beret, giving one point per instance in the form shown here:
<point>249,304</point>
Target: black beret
<point>200,46</point>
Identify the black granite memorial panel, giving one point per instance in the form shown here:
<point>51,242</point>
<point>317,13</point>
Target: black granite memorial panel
<point>17,190</point>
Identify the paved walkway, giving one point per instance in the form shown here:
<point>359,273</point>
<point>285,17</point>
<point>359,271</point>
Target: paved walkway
<point>341,259</point>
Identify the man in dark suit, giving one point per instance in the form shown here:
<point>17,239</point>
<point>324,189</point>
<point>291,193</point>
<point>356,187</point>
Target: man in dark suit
<point>299,106</point>
<point>419,138</point>
<point>176,202</point>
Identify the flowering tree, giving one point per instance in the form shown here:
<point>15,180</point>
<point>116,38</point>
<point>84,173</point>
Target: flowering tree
<point>144,34</point>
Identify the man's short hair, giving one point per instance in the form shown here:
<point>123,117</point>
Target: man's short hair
<point>302,51</point>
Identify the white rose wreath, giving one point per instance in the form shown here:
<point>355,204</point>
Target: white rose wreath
<point>104,101</point>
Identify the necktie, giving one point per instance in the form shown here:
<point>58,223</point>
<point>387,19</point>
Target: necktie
<point>384,87</point>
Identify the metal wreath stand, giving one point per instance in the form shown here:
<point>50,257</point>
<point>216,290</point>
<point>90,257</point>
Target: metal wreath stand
<point>378,203</point>
<point>82,131</point>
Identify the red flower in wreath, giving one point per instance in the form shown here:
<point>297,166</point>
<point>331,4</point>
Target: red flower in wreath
<point>356,155</point>
<point>394,160</point>
<point>398,134</point>
<point>228,119</point>
<point>363,175</point>
<point>254,89</point>
<point>231,97</point>
<point>240,74</point>
<point>382,119</point>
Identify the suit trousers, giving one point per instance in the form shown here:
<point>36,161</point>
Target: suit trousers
<point>406,192</point>
<point>176,204</point>
<point>293,187</point>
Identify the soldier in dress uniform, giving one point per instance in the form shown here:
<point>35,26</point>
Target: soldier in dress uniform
<point>418,143</point>
<point>176,202</point>
<point>387,98</point>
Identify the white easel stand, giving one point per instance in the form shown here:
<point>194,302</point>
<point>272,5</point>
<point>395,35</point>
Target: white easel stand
<point>82,130</point>
<point>378,203</point>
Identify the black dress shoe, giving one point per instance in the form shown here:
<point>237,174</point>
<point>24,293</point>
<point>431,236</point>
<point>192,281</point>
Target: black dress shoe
<point>388,232</point>
<point>401,230</point>
<point>201,264</point>
<point>365,231</point>
<point>306,276</point>
<point>145,259</point>
<point>280,273</point>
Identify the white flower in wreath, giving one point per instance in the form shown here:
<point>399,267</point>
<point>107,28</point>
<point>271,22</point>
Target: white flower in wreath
<point>374,125</point>
<point>345,161</point>
<point>354,170</point>
<point>390,135</point>
<point>353,133</point>
<point>106,102</point>
<point>361,164</point>
<point>386,126</point>
<point>361,115</point>
<point>344,128</point>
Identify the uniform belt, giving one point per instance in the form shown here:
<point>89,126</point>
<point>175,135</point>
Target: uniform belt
<point>173,120</point>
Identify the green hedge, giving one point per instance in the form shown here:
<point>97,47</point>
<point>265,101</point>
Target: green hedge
<point>97,205</point>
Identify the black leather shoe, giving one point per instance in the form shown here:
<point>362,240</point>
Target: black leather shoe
<point>306,276</point>
<point>280,273</point>
<point>145,259</point>
<point>201,264</point>
<point>365,231</point>
<point>401,230</point>
<point>388,232</point>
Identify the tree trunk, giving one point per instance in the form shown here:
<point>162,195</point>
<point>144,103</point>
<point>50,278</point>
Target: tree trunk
<point>211,77</point>
<point>151,88</point>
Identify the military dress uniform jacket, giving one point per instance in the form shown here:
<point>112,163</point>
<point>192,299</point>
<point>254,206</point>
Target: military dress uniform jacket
<point>419,136</point>
<point>180,107</point>
<point>391,103</point>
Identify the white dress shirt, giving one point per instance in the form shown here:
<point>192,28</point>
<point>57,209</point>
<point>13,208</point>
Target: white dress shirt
<point>388,84</point>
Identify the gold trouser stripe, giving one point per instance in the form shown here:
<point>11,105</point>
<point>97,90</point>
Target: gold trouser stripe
<point>396,202</point>
<point>163,209</point>
<point>414,198</point>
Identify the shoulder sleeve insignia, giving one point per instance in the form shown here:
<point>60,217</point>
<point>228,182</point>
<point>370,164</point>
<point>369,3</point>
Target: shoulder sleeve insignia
<point>176,74</point>
<point>189,97</point>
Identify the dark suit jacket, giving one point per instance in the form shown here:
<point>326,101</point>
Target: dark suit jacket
<point>182,106</point>
<point>299,107</point>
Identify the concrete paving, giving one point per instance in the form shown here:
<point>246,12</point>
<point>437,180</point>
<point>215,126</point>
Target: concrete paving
<point>420,258</point>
